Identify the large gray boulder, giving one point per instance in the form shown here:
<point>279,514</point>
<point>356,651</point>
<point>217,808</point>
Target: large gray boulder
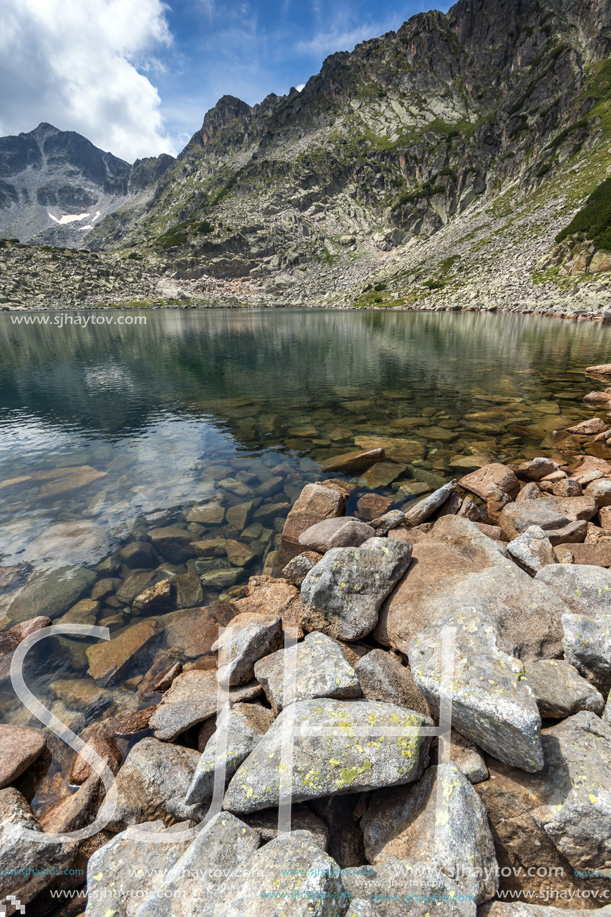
<point>342,532</point>
<point>416,515</point>
<point>402,823</point>
<point>26,865</point>
<point>559,815</point>
<point>532,550</point>
<point>456,567</point>
<point>190,888</point>
<point>367,745</point>
<point>152,784</point>
<point>314,668</point>
<point>246,639</point>
<point>583,588</point>
<point>343,593</point>
<point>492,704</point>
<point>559,689</point>
<point>238,730</point>
<point>131,867</point>
<point>587,645</point>
<point>192,698</point>
<point>292,868</point>
<point>407,888</point>
<point>545,513</point>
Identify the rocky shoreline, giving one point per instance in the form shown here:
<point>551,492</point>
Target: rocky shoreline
<point>512,561</point>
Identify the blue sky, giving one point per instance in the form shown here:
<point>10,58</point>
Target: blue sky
<point>137,76</point>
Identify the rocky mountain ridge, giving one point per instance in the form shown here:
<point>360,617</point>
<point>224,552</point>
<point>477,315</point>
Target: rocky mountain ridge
<point>431,166</point>
<point>55,185</point>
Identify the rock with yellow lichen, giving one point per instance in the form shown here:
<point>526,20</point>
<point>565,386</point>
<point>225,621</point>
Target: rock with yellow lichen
<point>492,704</point>
<point>336,747</point>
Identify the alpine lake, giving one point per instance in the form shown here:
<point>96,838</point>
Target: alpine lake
<point>212,422</point>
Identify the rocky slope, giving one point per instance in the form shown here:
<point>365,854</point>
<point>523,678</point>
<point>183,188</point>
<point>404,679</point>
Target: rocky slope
<point>431,166</point>
<point>55,185</point>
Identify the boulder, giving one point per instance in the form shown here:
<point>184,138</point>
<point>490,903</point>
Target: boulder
<point>109,662</point>
<point>600,491</point>
<point>382,677</point>
<point>382,474</point>
<point>192,698</point>
<point>522,909</point>
<point>343,593</point>
<point>117,867</point>
<point>191,886</point>
<point>545,513</point>
<point>402,823</point>
<point>530,491</point>
<point>298,568</point>
<point>577,508</point>
<point>152,784</point>
<point>468,758</point>
<point>27,866</point>
<point>484,481</point>
<point>557,816</point>
<point>193,631</point>
<point>536,469</point>
<point>589,555</point>
<point>457,567</point>
<point>587,645</point>
<point>302,819</point>
<point>270,596</point>
<point>584,589</point>
<point>589,427</point>
<point>559,689</point>
<point>154,600</point>
<point>350,760</point>
<point>341,532</point>
<point>314,504</point>
<point>173,542</point>
<point>353,462</point>
<point>50,593</point>
<point>532,550</point>
<point>388,521</point>
<point>247,639</point>
<point>238,730</point>
<point>492,704</point>
<point>314,668</point>
<point>20,746</point>
<point>421,511</point>
<point>601,369</point>
<point>407,888</point>
<point>291,867</point>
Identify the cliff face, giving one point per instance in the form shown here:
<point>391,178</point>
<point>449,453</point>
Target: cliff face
<point>446,154</point>
<point>55,185</point>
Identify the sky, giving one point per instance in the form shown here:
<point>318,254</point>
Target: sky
<point>137,76</point>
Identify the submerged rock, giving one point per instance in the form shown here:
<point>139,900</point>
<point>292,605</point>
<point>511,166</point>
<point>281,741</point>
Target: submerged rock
<point>20,746</point>
<point>352,759</point>
<point>110,662</point>
<point>50,593</point>
<point>343,593</point>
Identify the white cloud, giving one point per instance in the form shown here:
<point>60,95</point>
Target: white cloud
<point>77,63</point>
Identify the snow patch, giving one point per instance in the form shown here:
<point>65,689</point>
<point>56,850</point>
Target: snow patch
<point>69,217</point>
